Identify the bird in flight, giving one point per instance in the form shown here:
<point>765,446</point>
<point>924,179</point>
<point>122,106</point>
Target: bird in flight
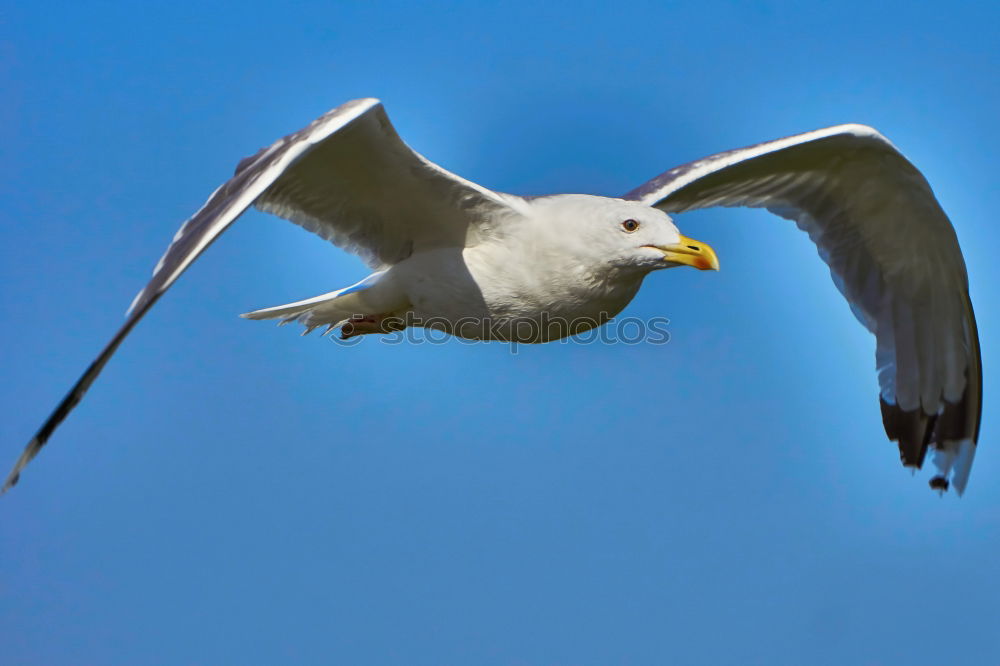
<point>453,255</point>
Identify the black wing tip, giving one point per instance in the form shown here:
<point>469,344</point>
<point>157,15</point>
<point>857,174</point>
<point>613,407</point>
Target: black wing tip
<point>915,432</point>
<point>953,430</point>
<point>912,430</point>
<point>75,395</point>
<point>30,451</point>
<point>10,482</point>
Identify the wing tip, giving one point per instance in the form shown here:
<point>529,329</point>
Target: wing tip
<point>954,445</point>
<point>10,482</point>
<point>30,451</point>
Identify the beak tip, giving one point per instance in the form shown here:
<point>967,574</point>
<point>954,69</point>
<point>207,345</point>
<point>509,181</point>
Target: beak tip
<point>706,264</point>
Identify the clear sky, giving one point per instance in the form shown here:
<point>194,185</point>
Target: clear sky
<point>232,493</point>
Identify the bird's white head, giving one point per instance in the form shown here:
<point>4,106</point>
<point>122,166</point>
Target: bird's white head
<point>626,235</point>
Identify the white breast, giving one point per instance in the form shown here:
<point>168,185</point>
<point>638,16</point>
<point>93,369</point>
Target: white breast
<point>504,291</point>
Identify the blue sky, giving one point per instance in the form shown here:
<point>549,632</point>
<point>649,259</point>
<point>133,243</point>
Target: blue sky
<point>232,493</point>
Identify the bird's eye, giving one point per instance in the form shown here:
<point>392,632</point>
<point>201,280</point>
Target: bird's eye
<point>630,225</point>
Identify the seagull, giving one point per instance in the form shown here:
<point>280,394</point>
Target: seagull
<point>455,256</point>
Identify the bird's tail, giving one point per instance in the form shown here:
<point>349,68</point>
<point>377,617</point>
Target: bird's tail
<point>331,310</point>
<point>323,310</point>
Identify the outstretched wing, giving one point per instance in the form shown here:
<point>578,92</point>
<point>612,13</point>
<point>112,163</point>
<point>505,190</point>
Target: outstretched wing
<point>894,256</point>
<point>348,177</point>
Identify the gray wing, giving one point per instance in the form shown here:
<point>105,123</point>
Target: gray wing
<point>348,177</point>
<point>894,256</point>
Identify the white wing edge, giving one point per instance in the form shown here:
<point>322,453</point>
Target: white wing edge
<point>337,119</point>
<point>692,171</point>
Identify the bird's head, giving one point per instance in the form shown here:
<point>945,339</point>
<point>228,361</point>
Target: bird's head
<point>625,234</point>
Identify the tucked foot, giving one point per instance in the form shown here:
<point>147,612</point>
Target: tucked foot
<point>364,324</point>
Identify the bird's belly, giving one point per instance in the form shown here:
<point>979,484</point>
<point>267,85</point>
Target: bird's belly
<point>451,292</point>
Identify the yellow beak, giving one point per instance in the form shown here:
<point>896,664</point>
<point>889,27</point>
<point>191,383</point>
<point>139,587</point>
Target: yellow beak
<point>690,252</point>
